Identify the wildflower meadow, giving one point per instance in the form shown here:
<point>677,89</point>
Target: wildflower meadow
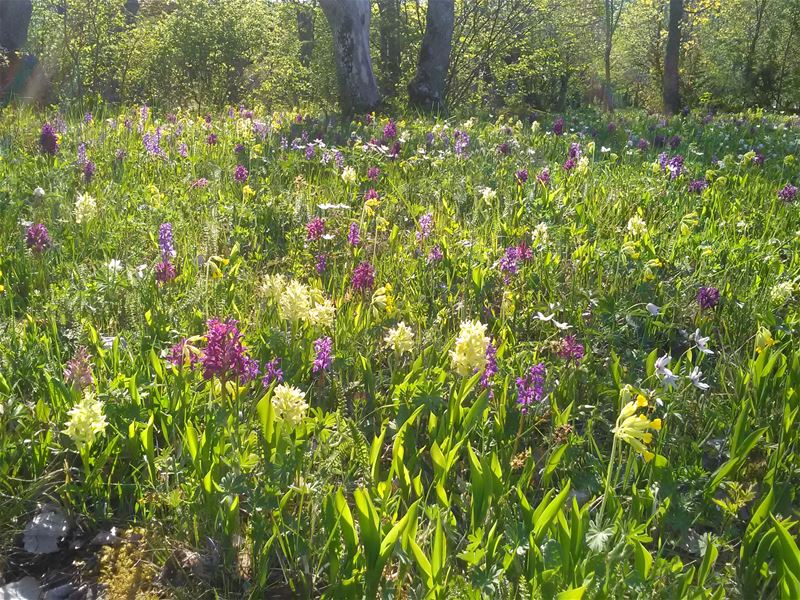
<point>266,355</point>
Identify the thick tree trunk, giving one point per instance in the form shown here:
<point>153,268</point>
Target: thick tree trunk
<point>349,22</point>
<point>390,50</point>
<point>15,17</point>
<point>426,90</point>
<point>305,33</point>
<point>672,96</point>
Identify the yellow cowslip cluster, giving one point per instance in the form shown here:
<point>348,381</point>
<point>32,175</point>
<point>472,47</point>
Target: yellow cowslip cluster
<point>86,420</point>
<point>637,226</point>
<point>469,354</point>
<point>763,340</point>
<point>289,404</point>
<point>400,338</point>
<point>382,299</point>
<point>349,175</point>
<point>632,427</point>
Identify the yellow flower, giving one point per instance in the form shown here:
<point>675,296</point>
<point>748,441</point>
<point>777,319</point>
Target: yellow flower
<point>632,428</point>
<point>469,354</point>
<point>323,313</point>
<point>382,299</point>
<point>637,226</point>
<point>400,338</point>
<point>289,404</point>
<point>85,208</point>
<point>86,420</point>
<point>349,175</point>
<point>248,192</point>
<point>273,286</point>
<point>213,265</point>
<point>764,340</point>
<point>295,301</point>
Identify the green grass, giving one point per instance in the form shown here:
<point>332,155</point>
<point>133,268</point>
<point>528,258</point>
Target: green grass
<point>403,478</point>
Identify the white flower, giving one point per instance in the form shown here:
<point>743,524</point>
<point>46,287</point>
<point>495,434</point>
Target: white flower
<point>637,226</point>
<point>400,338</point>
<point>349,175</point>
<point>38,192</point>
<point>115,266</point>
<point>273,286</point>
<point>140,271</point>
<point>488,194</point>
<point>289,403</point>
<point>322,314</point>
<point>701,343</point>
<point>605,149</point>
<point>662,363</point>
<point>653,309</point>
<point>669,379</point>
<point>539,235</point>
<point>470,351</point>
<point>695,376</point>
<point>781,292</point>
<point>295,301</point>
<point>85,208</point>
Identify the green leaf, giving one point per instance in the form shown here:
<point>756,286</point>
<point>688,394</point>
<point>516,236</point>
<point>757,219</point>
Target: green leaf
<point>549,513</point>
<point>572,594</point>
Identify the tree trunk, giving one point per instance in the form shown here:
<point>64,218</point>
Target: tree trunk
<point>426,90</point>
<point>672,96</point>
<point>608,96</point>
<point>390,50</point>
<point>349,22</point>
<point>305,33</point>
<point>15,17</point>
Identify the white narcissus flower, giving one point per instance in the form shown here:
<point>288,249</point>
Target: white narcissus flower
<point>400,338</point>
<point>289,403</point>
<point>115,266</point>
<point>701,343</point>
<point>695,377</point>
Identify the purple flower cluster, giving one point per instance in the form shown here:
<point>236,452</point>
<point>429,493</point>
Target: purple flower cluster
<point>707,297</point>
<point>490,370</point>
<point>48,140</point>
<point>211,140</point>
<point>504,149</point>
<point>166,242</point>
<point>321,263</point>
<point>425,227</point>
<point>390,130</point>
<point>370,194</point>
<point>323,359</point>
<point>354,235</point>
<point>363,277</point>
<point>544,176</point>
<point>521,176</point>
<point>569,164</point>
<point>696,186</point>
<point>574,150</point>
<point>643,145</point>
<point>674,164</point>
<point>88,171</point>
<point>788,193</point>
<point>435,254</point>
<point>315,229</point>
<point>373,173</point>
<point>37,238</point>
<point>240,174</point>
<point>225,355</point>
<point>78,370</point>
<point>272,372</point>
<point>530,387</point>
<point>178,354</point>
<point>152,144</point>
<point>571,349</point>
<point>165,270</point>
<point>558,126</point>
<point>461,142</point>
